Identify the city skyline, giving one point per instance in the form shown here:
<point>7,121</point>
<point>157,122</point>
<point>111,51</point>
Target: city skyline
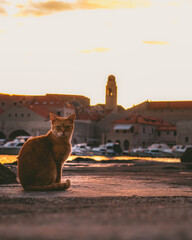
<point>71,47</point>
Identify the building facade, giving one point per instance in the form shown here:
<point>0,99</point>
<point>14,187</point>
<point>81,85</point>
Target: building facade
<point>29,115</point>
<point>166,122</point>
<point>178,113</point>
<point>139,131</point>
<point>169,111</point>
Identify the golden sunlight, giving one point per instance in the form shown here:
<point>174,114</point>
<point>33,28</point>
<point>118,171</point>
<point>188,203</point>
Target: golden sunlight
<point>155,42</point>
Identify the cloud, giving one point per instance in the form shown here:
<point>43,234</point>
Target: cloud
<point>3,12</point>
<point>4,1</point>
<point>112,4</point>
<point>42,8</point>
<point>155,42</point>
<point>98,50</point>
<point>51,6</point>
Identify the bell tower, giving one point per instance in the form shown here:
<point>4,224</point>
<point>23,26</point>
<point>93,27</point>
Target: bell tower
<point>111,94</point>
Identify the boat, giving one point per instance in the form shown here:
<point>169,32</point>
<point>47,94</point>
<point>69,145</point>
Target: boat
<point>13,147</point>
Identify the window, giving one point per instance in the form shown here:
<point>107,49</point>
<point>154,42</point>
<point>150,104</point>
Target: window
<point>3,103</point>
<point>132,129</point>
<point>58,113</point>
<point>175,133</point>
<point>22,115</point>
<point>110,93</point>
<point>143,129</point>
<point>124,131</point>
<point>117,131</point>
<point>167,132</point>
<point>28,115</point>
<point>126,145</point>
<point>159,133</point>
<point>15,114</point>
<point>9,115</point>
<point>186,139</point>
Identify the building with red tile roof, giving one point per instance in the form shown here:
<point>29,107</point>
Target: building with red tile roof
<point>169,111</point>
<point>136,131</point>
<point>29,115</point>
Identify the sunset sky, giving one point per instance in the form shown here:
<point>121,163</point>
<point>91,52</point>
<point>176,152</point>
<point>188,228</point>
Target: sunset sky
<point>71,46</point>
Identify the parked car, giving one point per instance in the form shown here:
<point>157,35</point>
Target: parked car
<point>179,150</point>
<point>113,149</point>
<point>101,150</point>
<point>81,149</point>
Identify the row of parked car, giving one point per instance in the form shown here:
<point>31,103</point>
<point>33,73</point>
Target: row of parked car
<point>155,150</point>
<point>160,150</point>
<point>83,149</point>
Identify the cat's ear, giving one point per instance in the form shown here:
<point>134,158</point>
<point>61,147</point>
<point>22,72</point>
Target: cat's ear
<point>53,117</point>
<point>72,117</point>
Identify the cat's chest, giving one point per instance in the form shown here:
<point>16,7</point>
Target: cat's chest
<point>61,152</point>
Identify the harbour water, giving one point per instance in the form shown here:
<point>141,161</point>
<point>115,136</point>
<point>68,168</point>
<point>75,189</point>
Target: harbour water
<point>12,158</point>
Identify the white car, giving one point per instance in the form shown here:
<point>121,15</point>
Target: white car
<point>81,149</point>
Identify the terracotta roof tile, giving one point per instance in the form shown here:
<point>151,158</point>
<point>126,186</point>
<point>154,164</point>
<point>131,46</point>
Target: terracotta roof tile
<point>89,116</point>
<point>43,112</point>
<point>142,120</point>
<point>170,105</point>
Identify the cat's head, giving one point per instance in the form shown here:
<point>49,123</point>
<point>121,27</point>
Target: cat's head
<point>61,126</point>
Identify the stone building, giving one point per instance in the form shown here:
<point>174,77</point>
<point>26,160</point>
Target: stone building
<point>135,131</point>
<point>177,112</point>
<point>29,115</point>
<point>169,111</point>
<point>21,120</point>
<point>184,129</point>
<point>84,132</point>
<point>28,120</point>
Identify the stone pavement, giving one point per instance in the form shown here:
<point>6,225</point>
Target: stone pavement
<point>140,200</point>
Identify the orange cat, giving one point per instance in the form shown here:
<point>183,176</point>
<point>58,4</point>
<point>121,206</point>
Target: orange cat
<point>41,158</point>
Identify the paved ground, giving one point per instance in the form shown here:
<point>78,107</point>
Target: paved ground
<point>137,201</point>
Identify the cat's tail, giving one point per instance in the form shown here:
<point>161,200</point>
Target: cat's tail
<point>50,187</point>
